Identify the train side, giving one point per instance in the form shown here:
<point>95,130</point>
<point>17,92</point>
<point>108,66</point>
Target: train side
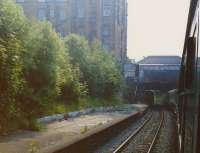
<point>186,99</point>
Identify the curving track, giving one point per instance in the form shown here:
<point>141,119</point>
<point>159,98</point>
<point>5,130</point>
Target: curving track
<point>143,139</point>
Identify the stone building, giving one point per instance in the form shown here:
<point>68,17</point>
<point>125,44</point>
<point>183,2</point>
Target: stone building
<point>159,72</point>
<point>105,20</point>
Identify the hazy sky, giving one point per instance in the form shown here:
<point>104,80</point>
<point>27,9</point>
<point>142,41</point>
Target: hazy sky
<point>156,27</point>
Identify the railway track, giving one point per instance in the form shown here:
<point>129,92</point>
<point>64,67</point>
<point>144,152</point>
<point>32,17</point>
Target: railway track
<point>148,144</point>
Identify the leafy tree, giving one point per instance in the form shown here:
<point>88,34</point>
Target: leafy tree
<point>79,51</point>
<point>129,91</point>
<point>99,69</point>
<point>49,75</point>
<point>47,68</point>
<point>13,28</point>
<point>105,72</point>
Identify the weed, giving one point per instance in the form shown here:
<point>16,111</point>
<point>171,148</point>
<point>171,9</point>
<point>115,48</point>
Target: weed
<point>100,124</point>
<point>84,129</point>
<point>33,147</point>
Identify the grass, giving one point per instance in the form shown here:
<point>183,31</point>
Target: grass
<point>59,108</point>
<point>99,124</point>
<point>159,97</point>
<point>84,129</point>
<point>83,103</point>
<point>33,147</point>
<point>96,102</point>
<point>36,126</point>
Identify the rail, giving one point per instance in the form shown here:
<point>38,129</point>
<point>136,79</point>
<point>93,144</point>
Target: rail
<point>157,133</point>
<point>125,143</point>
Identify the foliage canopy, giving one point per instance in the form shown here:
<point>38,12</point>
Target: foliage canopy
<point>39,69</point>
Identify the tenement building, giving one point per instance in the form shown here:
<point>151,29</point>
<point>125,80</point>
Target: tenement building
<point>105,20</point>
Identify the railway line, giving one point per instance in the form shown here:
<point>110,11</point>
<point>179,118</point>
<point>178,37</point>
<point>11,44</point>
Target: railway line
<point>150,136</point>
<point>143,142</point>
<point>141,139</point>
<point>127,141</point>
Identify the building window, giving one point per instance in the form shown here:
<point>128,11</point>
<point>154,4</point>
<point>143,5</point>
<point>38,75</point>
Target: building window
<point>106,44</point>
<point>81,31</point>
<point>93,2</point>
<point>93,20</point>
<point>80,9</point>
<point>41,14</point>
<point>92,35</point>
<point>81,13</point>
<point>52,12</point>
<point>62,15</point>
<point>106,11</point>
<point>42,1</point>
<point>107,5</point>
<point>106,31</point>
<point>20,1</point>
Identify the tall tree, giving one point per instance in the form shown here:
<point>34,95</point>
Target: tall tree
<point>100,70</point>
<point>106,71</point>
<point>13,28</point>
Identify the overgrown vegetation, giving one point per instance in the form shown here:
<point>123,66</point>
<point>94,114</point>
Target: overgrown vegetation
<point>160,97</point>
<point>42,73</point>
<point>129,90</point>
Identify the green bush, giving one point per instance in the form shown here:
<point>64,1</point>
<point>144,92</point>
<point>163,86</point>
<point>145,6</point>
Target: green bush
<point>100,71</point>
<point>13,28</point>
